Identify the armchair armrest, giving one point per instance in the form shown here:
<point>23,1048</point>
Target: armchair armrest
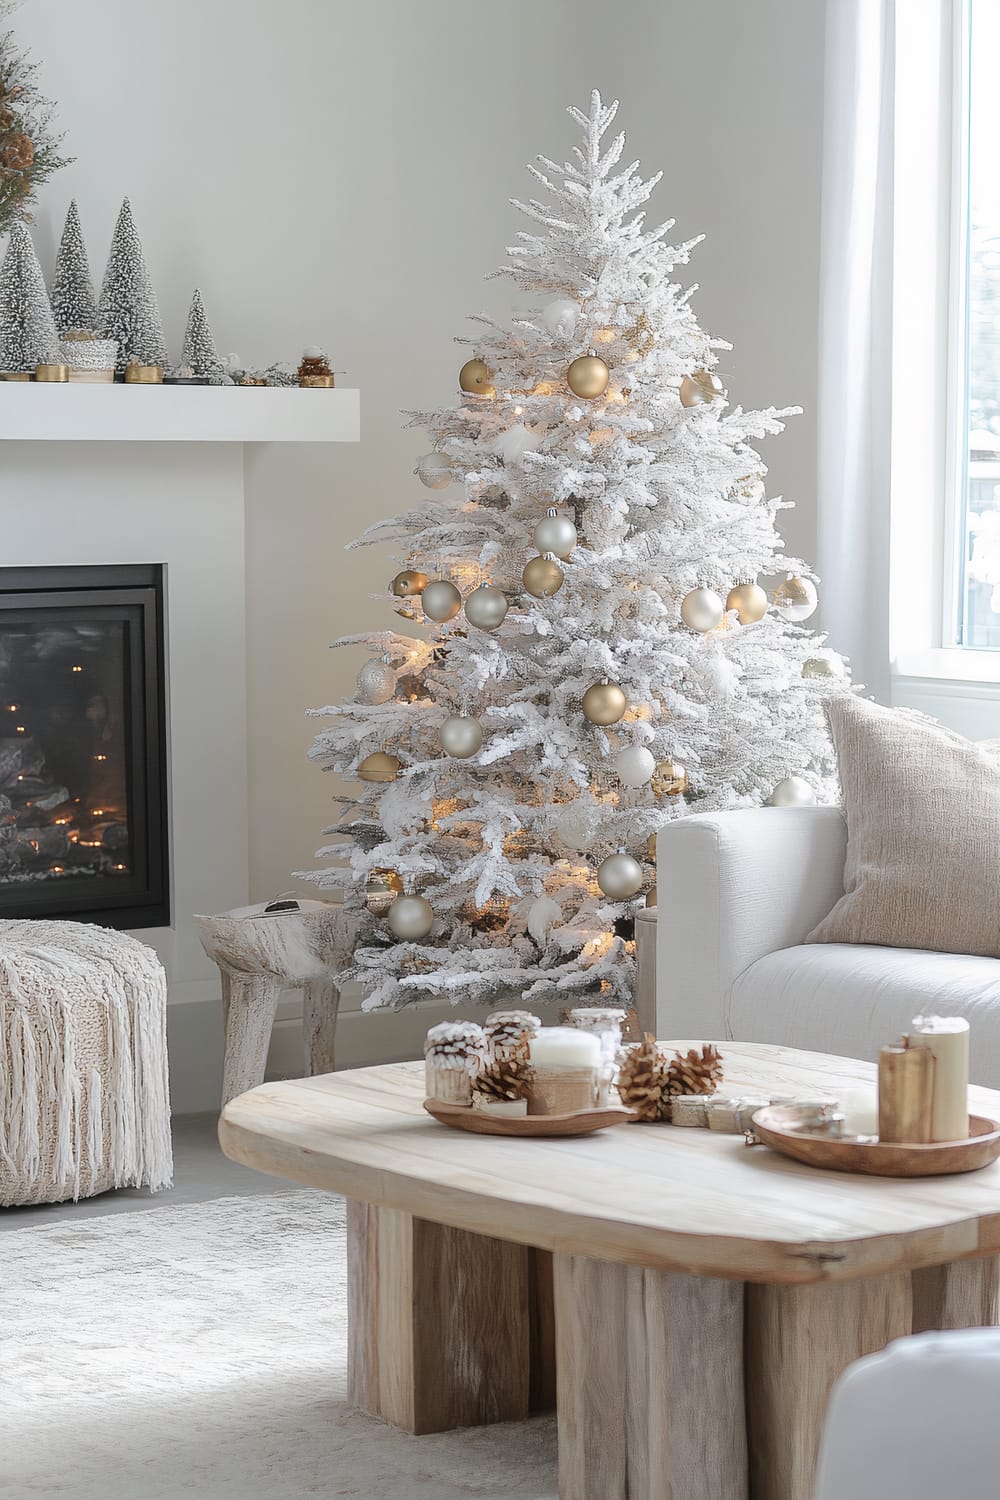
<point>733,886</point>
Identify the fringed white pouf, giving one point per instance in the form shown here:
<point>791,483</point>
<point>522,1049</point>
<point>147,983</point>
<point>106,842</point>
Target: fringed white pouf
<point>84,1104</point>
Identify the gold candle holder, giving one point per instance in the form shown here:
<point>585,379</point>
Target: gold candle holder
<point>325,382</point>
<point>16,375</point>
<point>905,1093</point>
<point>52,372</point>
<point>144,374</point>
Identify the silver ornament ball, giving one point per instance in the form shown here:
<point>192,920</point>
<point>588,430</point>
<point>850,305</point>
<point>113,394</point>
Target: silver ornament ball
<point>635,765</point>
<point>441,600</point>
<point>461,736</point>
<point>376,681</point>
<point>620,877</point>
<point>434,470</point>
<point>793,791</point>
<point>486,607</point>
<point>410,918</point>
<point>703,610</point>
<point>555,533</point>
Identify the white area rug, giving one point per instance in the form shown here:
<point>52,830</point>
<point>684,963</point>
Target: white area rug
<point>201,1351</point>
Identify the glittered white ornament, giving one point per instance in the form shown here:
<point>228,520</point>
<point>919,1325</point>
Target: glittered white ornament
<point>703,610</point>
<point>410,918</point>
<point>486,607</point>
<point>635,765</point>
<point>376,680</point>
<point>555,533</point>
<point>794,791</point>
<point>796,599</point>
<point>441,600</point>
<point>620,877</point>
<point>434,470</point>
<point>461,736</point>
<point>560,317</point>
<point>518,440</point>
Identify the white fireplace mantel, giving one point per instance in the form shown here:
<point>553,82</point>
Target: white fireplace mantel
<point>71,413</point>
<point>80,483</point>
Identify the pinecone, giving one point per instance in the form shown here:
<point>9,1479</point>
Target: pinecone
<point>18,153</point>
<point>507,1078</point>
<point>695,1072</point>
<point>642,1080</point>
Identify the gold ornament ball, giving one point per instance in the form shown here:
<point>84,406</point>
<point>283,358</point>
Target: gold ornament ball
<point>543,577</point>
<point>701,387</point>
<point>620,877</point>
<point>379,767</point>
<point>604,703</point>
<point>410,918</point>
<point>588,377</point>
<point>441,600</point>
<point>749,602</point>
<point>670,779</point>
<point>408,583</point>
<point>474,378</point>
<point>796,599</point>
<point>381,890</point>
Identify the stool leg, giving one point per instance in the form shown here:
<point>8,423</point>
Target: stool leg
<point>252,1004</point>
<point>320,1001</point>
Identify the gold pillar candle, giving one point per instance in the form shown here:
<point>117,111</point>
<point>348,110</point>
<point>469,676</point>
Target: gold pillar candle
<point>947,1037</point>
<point>905,1092</point>
<point>16,375</point>
<point>144,374</point>
<point>318,382</point>
<point>53,373</point>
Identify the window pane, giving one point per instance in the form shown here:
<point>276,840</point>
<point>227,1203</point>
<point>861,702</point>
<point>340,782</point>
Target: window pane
<point>980,594</point>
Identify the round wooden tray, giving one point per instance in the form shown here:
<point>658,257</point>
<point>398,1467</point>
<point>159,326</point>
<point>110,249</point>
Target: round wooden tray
<point>879,1158</point>
<point>482,1122</point>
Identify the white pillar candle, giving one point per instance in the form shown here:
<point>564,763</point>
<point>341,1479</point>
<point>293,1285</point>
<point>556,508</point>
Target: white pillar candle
<point>948,1039</point>
<point>564,1047</point>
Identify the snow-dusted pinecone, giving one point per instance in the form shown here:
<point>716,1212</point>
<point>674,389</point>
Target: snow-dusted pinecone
<point>505,1078</point>
<point>696,1072</point>
<point>642,1080</point>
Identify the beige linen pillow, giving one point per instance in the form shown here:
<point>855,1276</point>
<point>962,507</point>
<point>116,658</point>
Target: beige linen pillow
<point>923,834</point>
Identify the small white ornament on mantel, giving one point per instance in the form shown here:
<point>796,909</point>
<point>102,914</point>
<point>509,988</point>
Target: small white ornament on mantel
<point>793,791</point>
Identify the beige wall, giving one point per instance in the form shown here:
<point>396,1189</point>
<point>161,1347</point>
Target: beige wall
<point>339,172</point>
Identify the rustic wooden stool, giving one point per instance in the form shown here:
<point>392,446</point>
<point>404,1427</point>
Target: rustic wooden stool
<point>259,953</point>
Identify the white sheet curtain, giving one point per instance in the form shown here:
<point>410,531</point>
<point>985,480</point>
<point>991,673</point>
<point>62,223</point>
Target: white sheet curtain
<point>855,336</point>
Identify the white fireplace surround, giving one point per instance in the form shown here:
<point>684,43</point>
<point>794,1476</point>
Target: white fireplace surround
<point>179,503</point>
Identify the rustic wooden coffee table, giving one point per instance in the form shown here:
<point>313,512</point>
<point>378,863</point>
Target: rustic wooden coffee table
<point>677,1268</point>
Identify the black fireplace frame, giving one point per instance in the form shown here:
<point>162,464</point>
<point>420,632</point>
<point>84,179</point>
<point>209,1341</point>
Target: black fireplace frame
<point>103,590</point>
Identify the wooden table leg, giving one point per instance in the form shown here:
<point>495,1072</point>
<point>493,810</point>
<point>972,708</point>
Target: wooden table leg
<point>249,1005</point>
<point>961,1295</point>
<point>438,1322</point>
<point>320,1003</point>
<point>650,1384</point>
<point>798,1341</point>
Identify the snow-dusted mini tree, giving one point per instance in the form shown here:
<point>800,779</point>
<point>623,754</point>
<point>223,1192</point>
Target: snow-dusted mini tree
<point>27,328</point>
<point>199,353</point>
<point>127,309</point>
<point>73,302</point>
<point>601,657</point>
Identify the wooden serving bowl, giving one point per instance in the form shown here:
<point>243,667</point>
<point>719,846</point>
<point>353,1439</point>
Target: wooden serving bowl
<point>482,1122</point>
<point>879,1158</point>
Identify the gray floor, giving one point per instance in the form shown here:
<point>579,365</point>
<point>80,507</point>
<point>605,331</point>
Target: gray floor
<point>201,1173</point>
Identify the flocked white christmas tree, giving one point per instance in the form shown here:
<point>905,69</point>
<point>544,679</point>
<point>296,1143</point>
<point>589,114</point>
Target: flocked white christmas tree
<point>127,310</point>
<point>199,353</point>
<point>27,328</point>
<point>73,302</point>
<point>601,657</point>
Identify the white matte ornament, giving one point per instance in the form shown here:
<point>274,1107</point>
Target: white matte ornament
<point>376,681</point>
<point>441,600</point>
<point>434,470</point>
<point>577,824</point>
<point>486,607</point>
<point>560,317</point>
<point>796,599</point>
<point>635,765</point>
<point>703,610</point>
<point>461,736</point>
<point>518,440</point>
<point>620,877</point>
<point>794,791</point>
<point>410,918</point>
<point>555,533</point>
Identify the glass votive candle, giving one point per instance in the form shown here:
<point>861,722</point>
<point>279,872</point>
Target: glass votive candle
<point>566,1066</point>
<point>454,1052</point>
